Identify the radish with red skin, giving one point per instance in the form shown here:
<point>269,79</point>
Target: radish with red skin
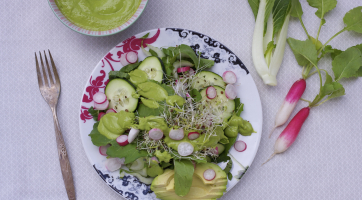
<point>185,149</point>
<point>290,101</point>
<point>192,71</point>
<point>131,57</point>
<point>155,159</point>
<point>183,69</point>
<point>211,92</point>
<point>111,111</point>
<point>132,134</point>
<point>209,174</point>
<point>100,115</point>
<point>99,98</point>
<point>102,106</point>
<point>113,164</point>
<point>176,134</point>
<point>229,77</point>
<point>230,91</point>
<point>240,146</point>
<point>290,133</point>
<point>155,134</point>
<point>193,135</point>
<point>103,150</point>
<point>122,140</point>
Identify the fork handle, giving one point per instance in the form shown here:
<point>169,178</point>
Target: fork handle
<point>63,159</point>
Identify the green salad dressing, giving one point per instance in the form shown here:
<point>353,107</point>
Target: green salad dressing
<point>237,125</point>
<point>175,99</point>
<point>98,15</point>
<point>152,90</point>
<point>137,76</point>
<point>113,125</point>
<point>150,103</point>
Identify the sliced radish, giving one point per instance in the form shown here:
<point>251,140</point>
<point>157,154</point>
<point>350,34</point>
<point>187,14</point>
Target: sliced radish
<point>155,159</point>
<point>230,92</point>
<point>185,149</point>
<point>123,60</point>
<point>211,92</point>
<point>217,150</point>
<point>183,69</point>
<point>193,163</point>
<point>100,115</point>
<point>132,134</point>
<point>103,150</point>
<point>155,134</point>
<point>111,111</point>
<point>229,77</point>
<point>131,57</point>
<point>99,97</point>
<point>192,71</point>
<point>209,174</point>
<point>240,146</point>
<point>122,140</point>
<point>113,164</point>
<point>176,134</point>
<point>193,135</point>
<point>102,106</point>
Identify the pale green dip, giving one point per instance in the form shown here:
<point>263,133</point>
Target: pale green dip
<point>98,15</point>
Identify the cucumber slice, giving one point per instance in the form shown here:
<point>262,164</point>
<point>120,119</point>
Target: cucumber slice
<point>142,172</point>
<point>119,94</point>
<point>223,106</point>
<point>153,68</point>
<point>206,78</point>
<point>138,164</point>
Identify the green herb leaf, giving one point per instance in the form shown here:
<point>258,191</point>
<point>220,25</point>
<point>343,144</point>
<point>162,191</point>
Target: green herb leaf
<point>223,157</point>
<point>130,67</point>
<point>228,168</point>
<point>346,64</point>
<point>206,63</point>
<point>329,49</point>
<point>165,165</point>
<point>169,89</point>
<point>304,51</point>
<point>184,170</point>
<point>269,52</point>
<point>318,44</point>
<point>239,107</point>
<point>129,152</point>
<point>153,53</point>
<point>280,11</point>
<point>323,6</point>
<point>94,113</point>
<point>195,94</point>
<point>145,36</point>
<point>254,5</point>
<point>185,51</point>
<point>353,19</point>
<point>296,9</point>
<point>117,74</point>
<point>97,138</point>
<point>144,111</point>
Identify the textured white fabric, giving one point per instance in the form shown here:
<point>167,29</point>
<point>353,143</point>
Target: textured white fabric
<point>323,163</point>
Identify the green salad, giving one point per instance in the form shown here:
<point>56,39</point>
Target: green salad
<point>168,121</point>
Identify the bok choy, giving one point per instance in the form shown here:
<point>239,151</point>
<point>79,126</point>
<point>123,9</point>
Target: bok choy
<point>269,38</point>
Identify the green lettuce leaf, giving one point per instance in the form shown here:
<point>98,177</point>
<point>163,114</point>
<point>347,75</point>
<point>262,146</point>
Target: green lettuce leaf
<point>129,152</point>
<point>117,74</point>
<point>97,138</point>
<point>130,67</point>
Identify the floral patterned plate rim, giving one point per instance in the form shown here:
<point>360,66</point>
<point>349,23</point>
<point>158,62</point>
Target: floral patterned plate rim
<point>130,187</point>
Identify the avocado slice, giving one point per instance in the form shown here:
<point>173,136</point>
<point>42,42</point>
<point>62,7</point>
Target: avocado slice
<point>163,185</point>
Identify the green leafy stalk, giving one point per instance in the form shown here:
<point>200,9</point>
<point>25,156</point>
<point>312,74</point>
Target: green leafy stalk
<point>297,11</point>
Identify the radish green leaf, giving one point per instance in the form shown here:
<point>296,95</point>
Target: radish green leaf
<point>184,170</point>
<point>323,6</point>
<point>304,51</point>
<point>346,64</point>
<point>353,19</point>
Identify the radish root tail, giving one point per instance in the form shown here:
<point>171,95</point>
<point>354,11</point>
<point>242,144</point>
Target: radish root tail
<point>269,158</point>
<point>271,132</point>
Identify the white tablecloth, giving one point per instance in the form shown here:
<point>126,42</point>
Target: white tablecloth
<point>323,163</point>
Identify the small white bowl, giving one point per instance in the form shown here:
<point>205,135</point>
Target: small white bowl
<point>81,30</point>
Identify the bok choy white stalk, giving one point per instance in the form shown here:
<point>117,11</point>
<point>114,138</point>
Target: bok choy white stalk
<point>269,38</point>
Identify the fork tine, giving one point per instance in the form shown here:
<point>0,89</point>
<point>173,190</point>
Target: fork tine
<point>44,73</point>
<point>57,81</point>
<point>40,81</point>
<point>49,73</point>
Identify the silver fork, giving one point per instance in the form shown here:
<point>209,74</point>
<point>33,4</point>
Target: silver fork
<point>50,91</point>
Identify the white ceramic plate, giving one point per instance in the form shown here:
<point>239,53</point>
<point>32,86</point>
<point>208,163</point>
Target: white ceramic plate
<point>129,187</point>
